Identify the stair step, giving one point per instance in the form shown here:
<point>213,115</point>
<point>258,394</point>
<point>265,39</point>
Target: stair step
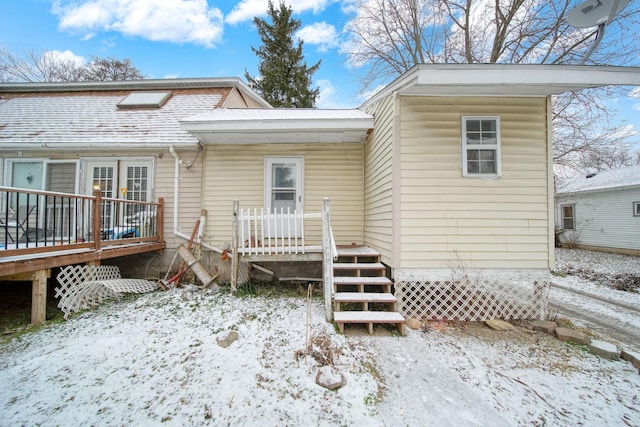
<point>364,297</point>
<point>357,251</point>
<point>344,280</point>
<point>368,317</point>
<point>358,266</point>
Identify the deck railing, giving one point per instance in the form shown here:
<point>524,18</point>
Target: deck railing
<point>40,221</point>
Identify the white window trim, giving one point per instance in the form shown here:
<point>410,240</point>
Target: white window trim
<point>573,218</point>
<point>636,209</point>
<point>497,147</point>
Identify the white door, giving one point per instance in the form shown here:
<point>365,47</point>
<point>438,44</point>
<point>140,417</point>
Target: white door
<point>121,179</point>
<point>283,184</point>
<point>284,193</point>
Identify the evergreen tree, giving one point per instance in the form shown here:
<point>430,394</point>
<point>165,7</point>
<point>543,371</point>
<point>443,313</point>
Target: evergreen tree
<point>284,79</point>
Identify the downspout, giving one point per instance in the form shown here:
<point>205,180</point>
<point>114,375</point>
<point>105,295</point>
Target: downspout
<point>176,205</point>
<point>176,190</point>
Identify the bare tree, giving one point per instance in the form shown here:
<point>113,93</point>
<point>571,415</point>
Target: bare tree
<point>391,36</point>
<point>102,69</point>
<point>38,67</point>
<point>54,66</point>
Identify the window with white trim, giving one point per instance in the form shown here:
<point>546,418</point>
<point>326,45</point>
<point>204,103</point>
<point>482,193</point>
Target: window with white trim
<point>636,208</point>
<point>481,146</point>
<point>568,217</point>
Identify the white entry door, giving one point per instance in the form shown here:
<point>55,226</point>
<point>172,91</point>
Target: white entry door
<point>283,184</point>
<point>284,193</point>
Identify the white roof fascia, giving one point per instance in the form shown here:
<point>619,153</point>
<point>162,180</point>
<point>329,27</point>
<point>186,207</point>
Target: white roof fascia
<point>277,125</point>
<point>505,80</point>
<point>597,190</point>
<point>260,126</point>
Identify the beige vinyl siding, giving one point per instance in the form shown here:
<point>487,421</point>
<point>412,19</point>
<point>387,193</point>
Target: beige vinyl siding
<point>448,221</point>
<point>378,181</point>
<point>330,170</point>
<point>189,193</point>
<point>235,99</point>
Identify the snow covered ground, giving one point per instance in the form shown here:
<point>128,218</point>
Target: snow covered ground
<point>588,296</point>
<point>153,360</point>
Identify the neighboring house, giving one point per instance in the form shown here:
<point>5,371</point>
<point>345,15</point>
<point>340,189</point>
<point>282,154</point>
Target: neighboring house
<point>79,136</point>
<point>601,211</point>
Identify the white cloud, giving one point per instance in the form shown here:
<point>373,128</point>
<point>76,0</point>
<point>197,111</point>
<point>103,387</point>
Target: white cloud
<point>330,97</point>
<point>320,33</point>
<point>328,94</point>
<point>176,21</point>
<point>246,10</point>
<point>63,56</point>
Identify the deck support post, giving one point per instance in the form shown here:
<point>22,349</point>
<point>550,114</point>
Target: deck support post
<point>327,259</point>
<point>234,246</point>
<point>39,296</point>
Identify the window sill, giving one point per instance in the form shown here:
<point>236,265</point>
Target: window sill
<point>482,176</point>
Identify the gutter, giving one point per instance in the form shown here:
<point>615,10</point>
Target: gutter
<point>597,190</point>
<point>176,206</point>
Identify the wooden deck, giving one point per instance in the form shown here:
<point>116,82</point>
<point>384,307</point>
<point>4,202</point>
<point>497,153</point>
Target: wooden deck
<point>42,241</point>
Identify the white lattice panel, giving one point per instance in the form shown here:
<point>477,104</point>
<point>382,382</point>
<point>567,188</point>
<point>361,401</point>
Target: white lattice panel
<point>476,296</point>
<point>244,275</point>
<point>83,286</point>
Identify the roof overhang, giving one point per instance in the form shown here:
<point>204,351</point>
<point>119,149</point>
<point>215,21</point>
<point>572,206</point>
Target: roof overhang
<point>505,80</point>
<point>279,126</point>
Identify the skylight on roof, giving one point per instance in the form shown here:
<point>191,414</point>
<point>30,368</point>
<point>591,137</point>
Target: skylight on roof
<point>145,100</point>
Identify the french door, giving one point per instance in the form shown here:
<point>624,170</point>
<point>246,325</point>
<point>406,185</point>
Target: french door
<point>120,179</point>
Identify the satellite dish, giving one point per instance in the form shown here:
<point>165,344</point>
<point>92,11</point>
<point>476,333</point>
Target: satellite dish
<point>592,13</point>
<point>595,12</point>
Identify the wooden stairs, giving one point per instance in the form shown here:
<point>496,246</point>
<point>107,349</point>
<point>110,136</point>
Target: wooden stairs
<point>361,290</point>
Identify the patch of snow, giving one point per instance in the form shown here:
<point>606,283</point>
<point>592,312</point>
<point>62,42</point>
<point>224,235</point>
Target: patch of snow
<point>153,360</point>
<point>613,178</point>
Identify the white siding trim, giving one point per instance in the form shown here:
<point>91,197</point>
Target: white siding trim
<point>550,186</point>
<point>396,183</point>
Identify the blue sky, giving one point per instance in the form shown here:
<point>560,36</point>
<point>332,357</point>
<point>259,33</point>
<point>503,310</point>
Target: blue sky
<point>193,38</point>
<point>196,38</point>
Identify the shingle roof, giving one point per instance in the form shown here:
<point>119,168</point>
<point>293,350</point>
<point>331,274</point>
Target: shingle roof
<point>33,121</point>
<point>610,179</point>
